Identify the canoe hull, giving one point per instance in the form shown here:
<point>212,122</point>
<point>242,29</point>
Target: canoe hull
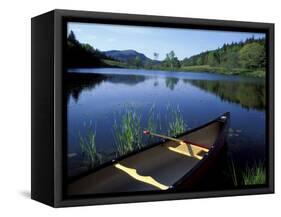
<point>167,165</point>
<point>192,180</point>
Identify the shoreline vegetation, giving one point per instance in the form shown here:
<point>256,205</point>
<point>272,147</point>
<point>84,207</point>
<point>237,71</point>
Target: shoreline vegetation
<point>244,58</point>
<point>259,73</point>
<point>250,175</point>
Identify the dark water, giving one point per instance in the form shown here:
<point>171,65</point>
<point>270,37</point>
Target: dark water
<point>100,98</point>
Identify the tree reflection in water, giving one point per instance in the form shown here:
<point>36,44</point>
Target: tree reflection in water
<point>248,95</point>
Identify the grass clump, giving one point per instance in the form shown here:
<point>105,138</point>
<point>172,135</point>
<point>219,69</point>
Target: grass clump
<point>176,125</point>
<point>254,175</point>
<point>151,121</point>
<point>153,125</point>
<point>128,134</point>
<point>88,147</point>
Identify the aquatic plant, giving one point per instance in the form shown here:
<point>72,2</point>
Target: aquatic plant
<point>151,121</point>
<point>249,176</point>
<point>154,124</point>
<point>254,175</point>
<point>88,147</point>
<point>233,173</point>
<point>176,124</point>
<point>128,134</point>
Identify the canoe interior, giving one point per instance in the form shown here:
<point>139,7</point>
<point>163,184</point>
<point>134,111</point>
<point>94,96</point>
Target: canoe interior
<point>156,168</point>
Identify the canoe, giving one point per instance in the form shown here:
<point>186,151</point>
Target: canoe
<point>167,165</point>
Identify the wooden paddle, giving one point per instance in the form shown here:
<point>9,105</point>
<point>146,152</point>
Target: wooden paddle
<point>147,132</point>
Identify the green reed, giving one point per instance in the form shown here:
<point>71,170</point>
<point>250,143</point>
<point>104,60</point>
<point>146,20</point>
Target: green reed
<point>176,124</point>
<point>88,147</point>
<point>128,134</point>
<point>249,176</point>
<point>254,175</point>
<point>151,120</point>
<point>154,124</point>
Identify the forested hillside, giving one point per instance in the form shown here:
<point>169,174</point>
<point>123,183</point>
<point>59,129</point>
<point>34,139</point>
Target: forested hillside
<point>247,56</point>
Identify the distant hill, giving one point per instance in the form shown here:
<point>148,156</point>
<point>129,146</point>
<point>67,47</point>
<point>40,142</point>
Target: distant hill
<point>127,55</point>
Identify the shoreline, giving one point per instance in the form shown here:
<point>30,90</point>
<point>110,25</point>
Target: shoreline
<point>260,73</point>
<point>194,69</point>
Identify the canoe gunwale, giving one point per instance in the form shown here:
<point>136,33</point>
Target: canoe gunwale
<point>118,159</point>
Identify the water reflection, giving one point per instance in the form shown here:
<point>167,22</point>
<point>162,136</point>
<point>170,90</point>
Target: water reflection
<point>171,82</point>
<point>248,95</point>
<point>78,82</point>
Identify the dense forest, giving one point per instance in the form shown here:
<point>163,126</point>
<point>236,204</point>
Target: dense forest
<point>248,56</point>
<point>245,57</point>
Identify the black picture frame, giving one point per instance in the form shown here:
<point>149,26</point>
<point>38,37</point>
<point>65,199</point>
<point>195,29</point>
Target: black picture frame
<point>48,116</point>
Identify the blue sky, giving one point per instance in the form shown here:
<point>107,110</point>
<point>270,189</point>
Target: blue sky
<point>147,40</point>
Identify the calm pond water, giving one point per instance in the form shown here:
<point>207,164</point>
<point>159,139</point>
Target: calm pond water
<point>100,99</point>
